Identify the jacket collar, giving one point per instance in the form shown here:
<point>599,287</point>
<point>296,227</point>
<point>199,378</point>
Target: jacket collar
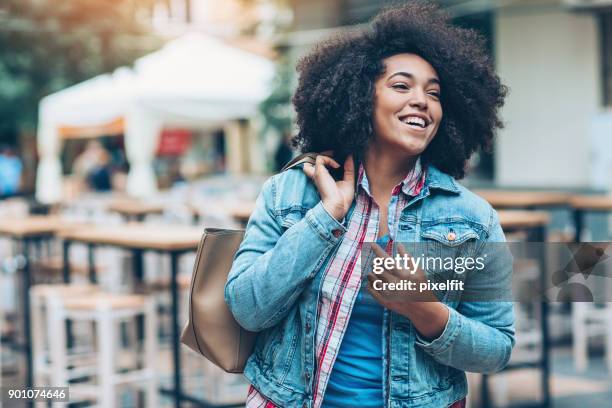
<point>436,179</point>
<point>411,185</point>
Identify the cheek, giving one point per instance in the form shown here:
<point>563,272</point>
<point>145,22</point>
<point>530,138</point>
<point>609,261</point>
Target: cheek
<point>382,117</point>
<point>437,115</point>
<point>438,112</point>
<point>388,103</point>
<point>436,127</point>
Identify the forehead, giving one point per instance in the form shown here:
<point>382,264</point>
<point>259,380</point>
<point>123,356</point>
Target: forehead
<point>410,63</point>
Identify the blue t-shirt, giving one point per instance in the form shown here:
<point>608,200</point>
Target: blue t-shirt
<point>356,377</point>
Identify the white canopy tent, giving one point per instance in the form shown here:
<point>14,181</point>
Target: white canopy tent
<point>193,81</point>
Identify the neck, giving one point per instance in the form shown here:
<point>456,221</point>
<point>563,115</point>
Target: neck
<point>386,168</point>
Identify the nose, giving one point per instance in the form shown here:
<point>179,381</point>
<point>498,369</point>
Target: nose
<point>418,99</point>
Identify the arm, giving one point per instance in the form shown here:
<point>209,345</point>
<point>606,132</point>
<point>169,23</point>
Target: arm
<point>479,335</point>
<point>271,268</point>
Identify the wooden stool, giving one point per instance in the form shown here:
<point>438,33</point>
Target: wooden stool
<point>106,311</point>
<point>161,291</point>
<point>162,285</point>
<point>52,269</point>
<point>589,321</point>
<point>42,362</point>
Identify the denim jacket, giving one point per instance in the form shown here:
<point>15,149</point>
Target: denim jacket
<point>273,289</point>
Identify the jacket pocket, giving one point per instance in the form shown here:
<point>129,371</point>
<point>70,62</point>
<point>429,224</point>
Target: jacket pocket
<point>448,248</point>
<point>449,233</point>
<point>266,348</point>
<point>281,353</point>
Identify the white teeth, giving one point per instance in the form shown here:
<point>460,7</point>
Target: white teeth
<point>414,120</point>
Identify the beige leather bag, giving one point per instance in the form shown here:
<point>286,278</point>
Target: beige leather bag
<point>212,330</point>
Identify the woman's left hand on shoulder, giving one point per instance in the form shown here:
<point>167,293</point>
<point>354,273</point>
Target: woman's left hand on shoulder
<point>336,195</point>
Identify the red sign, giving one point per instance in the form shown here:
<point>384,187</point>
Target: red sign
<point>174,142</point>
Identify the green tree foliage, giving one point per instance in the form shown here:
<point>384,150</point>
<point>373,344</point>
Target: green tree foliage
<point>48,45</point>
<point>276,108</point>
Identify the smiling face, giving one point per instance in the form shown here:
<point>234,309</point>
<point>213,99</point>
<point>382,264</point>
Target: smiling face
<point>407,109</point>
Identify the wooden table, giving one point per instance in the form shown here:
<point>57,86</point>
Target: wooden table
<point>31,226</point>
<point>242,211</point>
<point>26,231</point>
<point>534,223</point>
<point>582,204</point>
<point>137,237</point>
<point>524,199</point>
<point>522,220</point>
<point>133,209</point>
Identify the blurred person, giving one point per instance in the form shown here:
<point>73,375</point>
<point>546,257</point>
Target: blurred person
<point>93,166</point>
<point>403,104</point>
<point>11,169</point>
<point>284,152</point>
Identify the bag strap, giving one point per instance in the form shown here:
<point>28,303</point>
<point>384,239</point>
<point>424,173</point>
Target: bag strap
<point>303,158</point>
<point>309,158</point>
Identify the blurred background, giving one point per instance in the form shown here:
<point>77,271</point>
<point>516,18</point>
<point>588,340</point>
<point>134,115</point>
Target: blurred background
<point>126,126</point>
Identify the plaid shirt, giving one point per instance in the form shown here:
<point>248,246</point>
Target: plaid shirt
<point>342,278</point>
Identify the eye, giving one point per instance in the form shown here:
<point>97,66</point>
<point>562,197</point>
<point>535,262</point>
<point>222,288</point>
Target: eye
<point>435,94</point>
<point>400,85</point>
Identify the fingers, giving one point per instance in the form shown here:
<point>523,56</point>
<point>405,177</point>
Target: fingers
<point>309,170</point>
<point>319,167</point>
<point>383,297</point>
<point>371,279</point>
<point>375,293</point>
<point>323,161</point>
<point>379,251</point>
<point>349,169</point>
<point>401,251</point>
<point>385,277</point>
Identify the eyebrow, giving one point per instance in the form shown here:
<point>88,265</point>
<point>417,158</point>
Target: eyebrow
<point>410,76</point>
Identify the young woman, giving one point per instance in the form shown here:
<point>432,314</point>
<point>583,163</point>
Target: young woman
<point>402,104</point>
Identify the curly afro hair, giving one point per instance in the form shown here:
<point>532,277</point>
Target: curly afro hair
<point>335,93</point>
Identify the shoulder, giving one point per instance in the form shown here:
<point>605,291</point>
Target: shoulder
<point>477,207</point>
<point>451,200</point>
<point>290,190</point>
<point>472,200</point>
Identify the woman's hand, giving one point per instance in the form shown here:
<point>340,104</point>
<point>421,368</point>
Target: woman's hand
<point>422,308</point>
<point>336,196</point>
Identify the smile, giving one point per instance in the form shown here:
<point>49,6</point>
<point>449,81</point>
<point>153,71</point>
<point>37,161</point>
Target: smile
<point>415,122</point>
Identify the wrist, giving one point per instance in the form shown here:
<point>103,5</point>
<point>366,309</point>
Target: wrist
<point>421,309</point>
<point>336,211</point>
<point>429,318</point>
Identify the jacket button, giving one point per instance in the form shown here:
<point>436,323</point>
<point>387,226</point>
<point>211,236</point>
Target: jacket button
<point>337,232</point>
<point>451,236</point>
<point>308,327</point>
<point>307,376</point>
